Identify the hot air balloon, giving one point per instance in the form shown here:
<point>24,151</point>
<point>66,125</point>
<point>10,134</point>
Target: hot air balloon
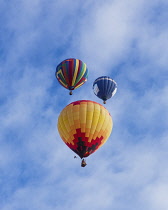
<point>84,126</point>
<point>71,73</point>
<point>104,87</point>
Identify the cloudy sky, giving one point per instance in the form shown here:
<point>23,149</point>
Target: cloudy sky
<point>126,40</point>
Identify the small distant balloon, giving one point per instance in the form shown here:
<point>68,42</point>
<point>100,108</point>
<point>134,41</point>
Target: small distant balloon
<point>71,73</point>
<point>104,88</point>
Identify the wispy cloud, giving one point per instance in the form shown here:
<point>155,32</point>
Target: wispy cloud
<point>126,40</point>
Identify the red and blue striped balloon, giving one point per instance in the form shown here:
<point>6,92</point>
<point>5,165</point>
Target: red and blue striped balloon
<point>71,73</point>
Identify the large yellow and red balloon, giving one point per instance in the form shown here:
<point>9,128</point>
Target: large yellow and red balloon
<point>84,126</point>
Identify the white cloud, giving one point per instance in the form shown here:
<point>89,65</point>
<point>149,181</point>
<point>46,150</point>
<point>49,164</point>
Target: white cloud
<point>116,38</point>
<point>155,196</point>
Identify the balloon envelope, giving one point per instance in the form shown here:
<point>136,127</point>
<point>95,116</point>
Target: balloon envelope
<point>71,73</point>
<point>104,87</point>
<point>84,126</point>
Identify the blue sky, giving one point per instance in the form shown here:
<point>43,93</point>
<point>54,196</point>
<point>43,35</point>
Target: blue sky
<point>126,40</point>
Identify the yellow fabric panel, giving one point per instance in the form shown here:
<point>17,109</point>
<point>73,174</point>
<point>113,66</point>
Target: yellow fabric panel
<point>105,121</point>
<point>95,135</point>
<point>90,106</point>
<point>75,111</point>
<point>90,137</point>
<point>108,123</point>
<point>82,116</point>
<point>75,72</point>
<point>108,128</point>
<point>101,120</point>
<point>87,132</point>
<point>84,70</point>
<point>77,124</point>
<point>82,112</point>
<point>62,128</point>
<point>65,120</point>
<point>70,115</point>
<point>95,119</point>
<point>71,129</point>
<point>70,141</point>
<point>89,116</point>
